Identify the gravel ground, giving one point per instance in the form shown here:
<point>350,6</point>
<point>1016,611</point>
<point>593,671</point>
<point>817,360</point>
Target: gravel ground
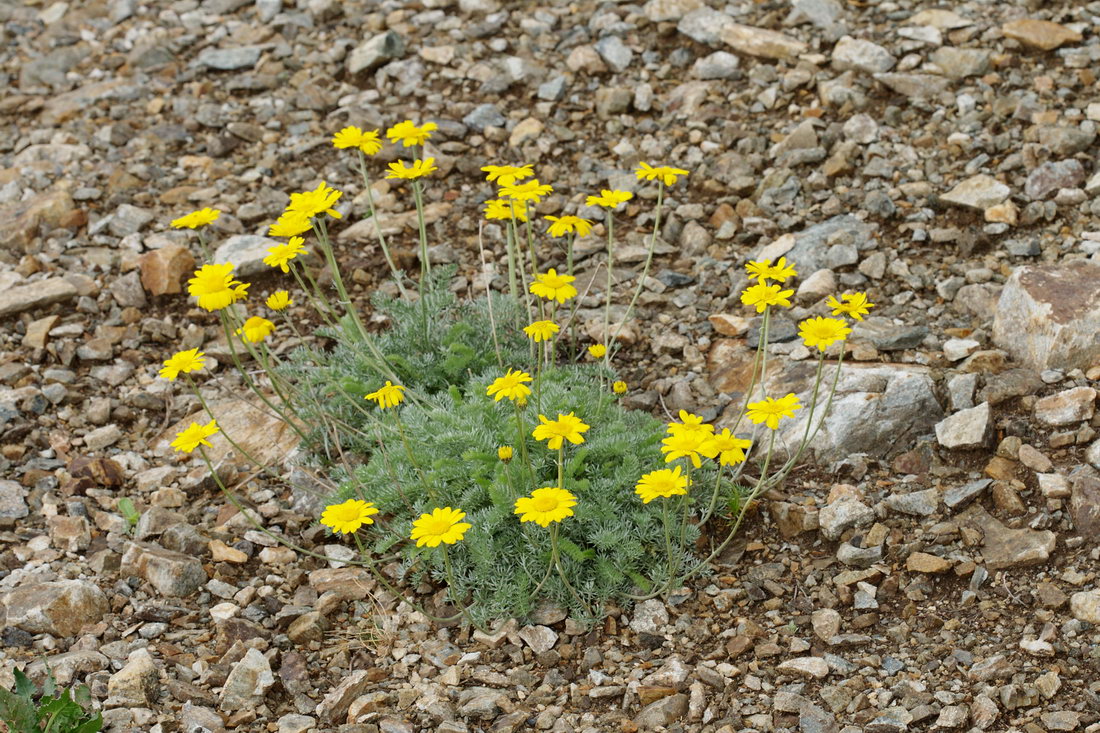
<point>934,566</point>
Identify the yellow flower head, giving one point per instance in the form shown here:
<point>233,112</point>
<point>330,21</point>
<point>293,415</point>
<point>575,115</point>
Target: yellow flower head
<point>684,444</point>
<point>279,300</point>
<point>690,423</point>
<point>609,199</point>
<point>390,395</point>
<point>726,447</point>
<point>764,270</point>
<point>566,427</point>
<point>281,254</point>
<point>290,224</point>
<point>666,174</point>
<point>194,436</point>
<point>197,219</point>
<point>505,453</point>
<point>619,387</point>
<point>316,202</point>
<point>505,209</point>
<point>762,296</point>
<point>560,226</point>
<point>506,175</point>
<point>256,329</point>
<point>348,517</point>
<point>418,169</point>
<point>546,505</point>
<point>409,134</point>
<point>662,484</point>
<point>215,287</point>
<point>353,137</point>
<point>552,286</point>
<point>541,331</point>
<point>855,305</point>
<point>511,385</point>
<point>821,332</point>
<point>182,361</point>
<point>597,351</point>
<point>240,291</point>
<point>770,411</point>
<point>442,525</point>
<point>530,191</point>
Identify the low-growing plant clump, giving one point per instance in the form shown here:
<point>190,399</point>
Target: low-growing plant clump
<point>481,443</point>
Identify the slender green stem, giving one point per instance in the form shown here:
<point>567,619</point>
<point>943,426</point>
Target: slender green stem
<point>206,408</point>
<point>521,438</point>
<point>556,560</point>
<point>409,453</point>
<point>561,466</point>
<point>606,336</point>
<point>645,269</point>
<point>320,228</point>
<point>377,225</point>
<point>425,261</point>
<point>452,586</point>
<point>534,255</point>
<point>202,245</point>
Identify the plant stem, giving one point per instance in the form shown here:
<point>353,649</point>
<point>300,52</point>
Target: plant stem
<point>607,305</point>
<point>645,269</point>
<point>425,261</point>
<point>377,225</point>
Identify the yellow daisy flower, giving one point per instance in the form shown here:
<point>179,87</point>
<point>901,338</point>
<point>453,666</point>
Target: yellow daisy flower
<point>609,199</point>
<point>560,226</point>
<point>764,270</point>
<point>597,351</point>
<point>256,329</point>
<point>197,219</point>
<point>214,287</point>
<point>662,484</point>
<point>279,300</point>
<point>390,395</point>
<point>409,134</point>
<point>505,453</point>
<point>566,427</point>
<point>689,423</point>
<point>316,202</point>
<point>821,332</point>
<point>540,331</point>
<point>666,174</point>
<point>619,387</point>
<point>507,175</point>
<point>418,169</point>
<point>545,505</point>
<point>194,436</point>
<point>511,385</point>
<point>353,137</point>
<point>762,296</point>
<point>684,445</point>
<point>290,224</point>
<point>727,447</point>
<point>182,361</point>
<point>856,305</point>
<point>442,525</point>
<point>552,286</point>
<point>348,517</point>
<point>770,411</point>
<point>505,209</point>
<point>281,254</point>
<point>530,191</point>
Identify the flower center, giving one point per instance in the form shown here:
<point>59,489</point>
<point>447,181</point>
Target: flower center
<point>438,526</point>
<point>545,504</point>
<point>348,513</point>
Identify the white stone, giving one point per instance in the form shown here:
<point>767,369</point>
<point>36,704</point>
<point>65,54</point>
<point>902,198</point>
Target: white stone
<point>970,428</point>
<point>978,192</point>
<point>959,349</point>
<point>855,53</point>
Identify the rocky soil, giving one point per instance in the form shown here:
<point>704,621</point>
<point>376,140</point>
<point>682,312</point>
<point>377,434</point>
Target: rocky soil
<point>936,569</point>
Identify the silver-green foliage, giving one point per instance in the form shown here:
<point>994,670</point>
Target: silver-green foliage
<point>444,351</point>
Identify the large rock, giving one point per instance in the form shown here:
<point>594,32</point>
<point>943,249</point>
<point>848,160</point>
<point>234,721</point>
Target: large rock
<point>13,504</point>
<point>246,252</point>
<point>861,55</point>
<point>170,573</point>
<point>135,685</point>
<point>809,250</point>
<point>1051,176</point>
<point>1085,606</point>
<point>877,410</point>
<point>660,11</point>
<point>971,428</point>
<point>265,437</point>
<point>663,712</point>
<point>1066,407</point>
<point>1048,316</point>
<point>1084,507</point>
<point>376,51</point>
<point>977,192</point>
<point>1009,548</point>
<point>760,42</point>
<point>1040,34</point>
<point>162,270</point>
<point>36,295</point>
<point>247,683</point>
<point>23,218</point>
<point>60,608</point>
